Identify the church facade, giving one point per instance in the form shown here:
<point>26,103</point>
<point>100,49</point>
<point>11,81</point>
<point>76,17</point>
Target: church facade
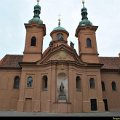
<point>60,79</point>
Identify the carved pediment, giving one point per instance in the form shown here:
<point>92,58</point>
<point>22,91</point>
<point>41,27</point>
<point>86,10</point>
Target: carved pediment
<point>61,55</point>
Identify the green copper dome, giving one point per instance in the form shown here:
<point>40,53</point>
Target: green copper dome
<point>36,18</point>
<point>37,7</point>
<point>59,28</point>
<point>85,21</point>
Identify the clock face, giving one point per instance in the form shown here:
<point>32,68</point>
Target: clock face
<point>60,36</point>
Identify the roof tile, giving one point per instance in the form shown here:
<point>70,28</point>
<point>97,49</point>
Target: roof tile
<point>11,61</point>
<point>110,62</point>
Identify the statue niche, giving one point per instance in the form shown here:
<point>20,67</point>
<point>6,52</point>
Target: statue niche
<point>62,95</point>
<point>62,87</point>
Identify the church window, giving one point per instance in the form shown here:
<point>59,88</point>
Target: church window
<point>103,86</point>
<point>33,41</point>
<point>113,86</point>
<point>60,36</point>
<point>92,83</point>
<point>45,82</point>
<point>78,83</point>
<point>16,82</point>
<point>29,82</point>
<point>88,42</point>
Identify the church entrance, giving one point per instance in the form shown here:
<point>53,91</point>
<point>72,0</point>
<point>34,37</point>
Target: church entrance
<point>93,104</point>
<point>105,104</point>
<point>28,105</point>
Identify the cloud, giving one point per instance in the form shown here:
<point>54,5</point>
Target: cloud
<point>104,13</point>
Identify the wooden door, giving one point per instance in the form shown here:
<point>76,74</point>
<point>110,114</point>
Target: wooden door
<point>28,105</point>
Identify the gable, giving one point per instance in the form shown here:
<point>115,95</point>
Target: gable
<point>61,55</point>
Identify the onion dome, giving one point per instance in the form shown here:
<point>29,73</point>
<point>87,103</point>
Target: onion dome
<point>36,18</point>
<point>85,21</point>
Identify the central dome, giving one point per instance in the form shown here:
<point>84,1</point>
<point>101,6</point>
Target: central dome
<point>59,28</point>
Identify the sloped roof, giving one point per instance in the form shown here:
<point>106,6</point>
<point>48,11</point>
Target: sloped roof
<point>11,61</point>
<point>110,62</point>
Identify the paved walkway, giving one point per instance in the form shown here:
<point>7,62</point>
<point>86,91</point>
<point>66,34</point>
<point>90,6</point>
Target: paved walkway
<point>92,114</point>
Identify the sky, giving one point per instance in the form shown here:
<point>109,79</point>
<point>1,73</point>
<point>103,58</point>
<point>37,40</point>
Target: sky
<point>102,13</point>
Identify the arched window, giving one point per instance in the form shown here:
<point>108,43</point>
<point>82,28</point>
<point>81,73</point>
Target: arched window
<point>103,86</point>
<point>78,83</point>
<point>29,81</point>
<point>92,83</point>
<point>89,43</point>
<point>16,82</point>
<point>45,82</point>
<point>33,41</point>
<point>113,86</point>
<point>60,36</point>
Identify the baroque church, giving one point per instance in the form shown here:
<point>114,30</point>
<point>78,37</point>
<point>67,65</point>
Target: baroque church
<point>59,79</point>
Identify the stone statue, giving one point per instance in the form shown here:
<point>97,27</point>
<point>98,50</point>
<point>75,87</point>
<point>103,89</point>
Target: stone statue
<point>62,95</point>
<point>61,88</point>
<point>29,82</point>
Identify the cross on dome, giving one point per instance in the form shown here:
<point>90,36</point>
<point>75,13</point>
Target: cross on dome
<point>59,20</point>
<point>83,2</point>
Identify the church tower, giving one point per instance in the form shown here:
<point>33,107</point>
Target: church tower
<point>87,39</point>
<point>35,31</point>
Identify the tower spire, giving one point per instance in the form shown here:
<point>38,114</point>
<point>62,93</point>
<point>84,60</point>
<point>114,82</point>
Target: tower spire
<point>84,14</point>
<point>38,2</point>
<point>37,11</point>
<point>83,2</point>
<point>84,11</point>
<point>84,21</point>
